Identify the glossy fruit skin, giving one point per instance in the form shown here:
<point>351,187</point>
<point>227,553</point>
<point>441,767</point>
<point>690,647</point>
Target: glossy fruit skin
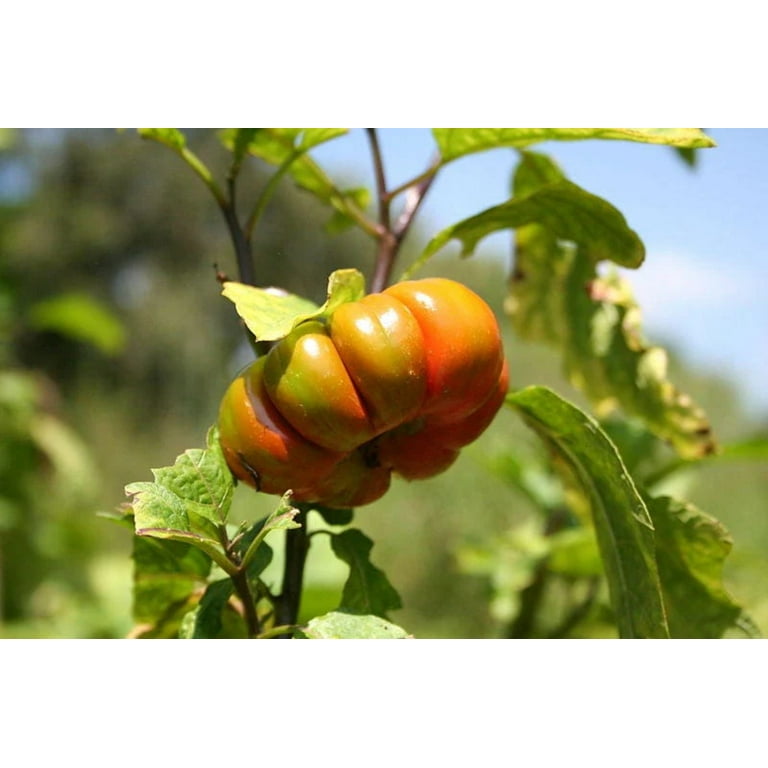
<point>464,342</point>
<point>396,382</point>
<point>260,446</point>
<point>380,343</point>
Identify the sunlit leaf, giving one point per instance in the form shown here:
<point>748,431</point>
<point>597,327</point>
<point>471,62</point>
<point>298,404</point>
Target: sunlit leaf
<point>202,479</point>
<point>457,142</point>
<point>287,148</point>
<point>171,137</point>
<point>79,317</point>
<point>344,626</point>
<point>271,314</point>
<point>568,211</point>
<point>367,590</point>
<point>624,528</point>
<point>187,501</point>
<point>558,296</point>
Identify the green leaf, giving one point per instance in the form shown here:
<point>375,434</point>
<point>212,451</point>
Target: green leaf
<point>287,148</point>
<point>80,317</point>
<point>624,528</point>
<point>574,553</point>
<point>457,142</point>
<point>568,211</point>
<point>188,501</point>
<point>166,574</point>
<point>281,519</point>
<point>343,626</point>
<point>171,137</point>
<point>271,313</point>
<point>333,516</point>
<point>340,220</point>
<point>556,296</point>
<point>691,548</point>
<point>313,137</point>
<point>201,479</point>
<point>367,590</point>
<point>205,622</point>
<point>689,156</point>
<point>241,140</point>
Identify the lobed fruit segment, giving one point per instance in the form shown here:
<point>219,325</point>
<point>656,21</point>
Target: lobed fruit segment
<point>397,382</point>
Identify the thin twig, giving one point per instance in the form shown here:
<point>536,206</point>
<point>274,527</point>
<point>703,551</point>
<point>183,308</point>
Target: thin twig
<point>414,199</point>
<point>381,183</point>
<point>392,238</point>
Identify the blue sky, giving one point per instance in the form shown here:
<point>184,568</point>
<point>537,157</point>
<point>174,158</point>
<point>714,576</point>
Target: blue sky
<point>703,285</point>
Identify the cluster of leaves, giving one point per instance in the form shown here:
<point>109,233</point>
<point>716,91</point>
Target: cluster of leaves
<point>660,558</point>
<point>198,576</point>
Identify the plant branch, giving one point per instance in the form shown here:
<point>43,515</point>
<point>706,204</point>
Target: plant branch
<point>243,588</point>
<point>429,173</point>
<point>391,238</point>
<point>241,243</point>
<point>296,548</point>
<point>414,198</point>
<point>381,183</point>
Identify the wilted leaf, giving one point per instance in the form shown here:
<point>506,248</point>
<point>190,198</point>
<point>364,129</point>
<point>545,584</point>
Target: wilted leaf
<point>367,590</point>
<point>557,296</point>
<point>80,317</point>
<point>624,528</point>
<point>457,142</point>
<point>271,314</point>
<point>344,626</point>
<point>691,548</point>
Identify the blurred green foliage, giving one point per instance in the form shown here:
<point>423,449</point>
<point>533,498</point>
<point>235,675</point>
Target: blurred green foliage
<point>98,222</point>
